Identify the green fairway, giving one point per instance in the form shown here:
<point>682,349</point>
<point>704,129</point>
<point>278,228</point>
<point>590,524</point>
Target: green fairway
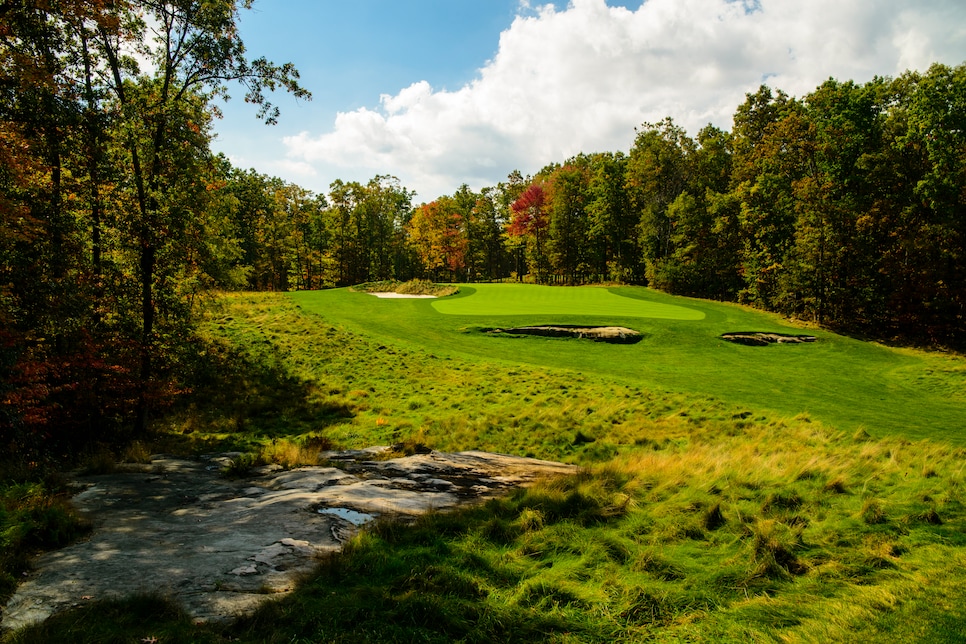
<point>528,299</point>
<point>838,380</point>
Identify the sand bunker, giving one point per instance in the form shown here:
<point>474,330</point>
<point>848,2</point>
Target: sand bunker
<point>403,296</point>
<point>762,339</point>
<point>611,334</point>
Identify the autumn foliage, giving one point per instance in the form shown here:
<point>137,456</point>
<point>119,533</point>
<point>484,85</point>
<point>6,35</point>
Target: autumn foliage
<point>845,207</point>
<point>108,231</point>
<point>436,230</point>
<point>529,212</point>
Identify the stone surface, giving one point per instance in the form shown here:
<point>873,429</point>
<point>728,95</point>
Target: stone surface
<point>221,547</point>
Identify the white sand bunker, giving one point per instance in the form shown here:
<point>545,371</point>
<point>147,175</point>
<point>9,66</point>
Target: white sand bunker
<point>399,296</point>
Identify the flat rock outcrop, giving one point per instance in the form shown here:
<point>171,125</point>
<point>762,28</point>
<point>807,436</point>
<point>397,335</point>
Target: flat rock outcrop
<point>221,547</point>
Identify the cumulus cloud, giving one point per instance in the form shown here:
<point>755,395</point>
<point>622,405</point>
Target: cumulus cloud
<point>580,79</point>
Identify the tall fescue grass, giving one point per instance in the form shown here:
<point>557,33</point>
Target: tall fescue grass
<point>693,519</point>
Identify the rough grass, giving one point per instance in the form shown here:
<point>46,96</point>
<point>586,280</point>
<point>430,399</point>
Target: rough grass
<point>697,518</point>
<point>729,539</point>
<point>33,517</point>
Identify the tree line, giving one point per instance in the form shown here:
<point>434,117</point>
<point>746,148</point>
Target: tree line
<point>112,217</point>
<point>844,207</point>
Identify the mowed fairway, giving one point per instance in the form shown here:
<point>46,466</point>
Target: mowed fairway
<point>843,382</point>
<point>527,299</point>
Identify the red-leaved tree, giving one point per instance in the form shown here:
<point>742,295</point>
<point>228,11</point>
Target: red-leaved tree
<point>530,219</point>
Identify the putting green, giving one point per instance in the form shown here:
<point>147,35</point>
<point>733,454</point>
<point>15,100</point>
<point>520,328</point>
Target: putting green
<point>531,299</point>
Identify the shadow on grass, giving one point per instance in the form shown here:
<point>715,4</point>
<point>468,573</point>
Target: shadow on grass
<point>148,618</point>
<point>236,397</point>
<point>574,560</point>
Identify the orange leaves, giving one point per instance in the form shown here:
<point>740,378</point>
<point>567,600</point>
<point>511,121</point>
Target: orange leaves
<point>19,171</point>
<point>437,230</point>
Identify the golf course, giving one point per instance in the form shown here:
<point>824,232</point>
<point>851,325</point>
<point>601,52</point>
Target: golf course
<point>844,382</point>
<point>791,492</point>
<point>584,322</point>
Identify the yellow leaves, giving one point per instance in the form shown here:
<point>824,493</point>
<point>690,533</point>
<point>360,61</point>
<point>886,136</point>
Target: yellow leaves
<point>436,230</point>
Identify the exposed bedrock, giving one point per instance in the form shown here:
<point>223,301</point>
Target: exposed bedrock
<point>221,547</point>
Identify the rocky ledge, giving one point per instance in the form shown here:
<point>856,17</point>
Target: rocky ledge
<point>223,546</point>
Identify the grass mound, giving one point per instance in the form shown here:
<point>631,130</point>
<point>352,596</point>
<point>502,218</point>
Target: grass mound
<point>837,380</point>
<point>412,287</point>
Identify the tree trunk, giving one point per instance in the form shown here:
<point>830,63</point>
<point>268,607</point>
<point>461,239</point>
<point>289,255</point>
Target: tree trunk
<point>148,258</point>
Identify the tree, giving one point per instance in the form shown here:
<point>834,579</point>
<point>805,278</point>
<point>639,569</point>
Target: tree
<point>768,130</point>
<point>927,263</point>
<point>612,230</point>
<point>567,200</point>
<point>194,48</point>
<point>437,231</point>
<point>530,221</point>
<point>487,254</point>
<point>657,173</point>
<point>62,383</point>
<point>832,267</point>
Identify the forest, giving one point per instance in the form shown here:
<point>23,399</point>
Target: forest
<point>845,207</point>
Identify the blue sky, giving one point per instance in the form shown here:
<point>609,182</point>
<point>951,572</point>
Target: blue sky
<point>441,92</point>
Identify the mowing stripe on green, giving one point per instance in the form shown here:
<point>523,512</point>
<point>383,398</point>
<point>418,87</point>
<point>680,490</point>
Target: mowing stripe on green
<point>531,299</point>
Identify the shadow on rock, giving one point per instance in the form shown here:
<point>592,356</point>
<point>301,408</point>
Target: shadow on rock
<point>221,547</point>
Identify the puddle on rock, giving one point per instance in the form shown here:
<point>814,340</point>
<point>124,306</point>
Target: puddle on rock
<point>353,517</point>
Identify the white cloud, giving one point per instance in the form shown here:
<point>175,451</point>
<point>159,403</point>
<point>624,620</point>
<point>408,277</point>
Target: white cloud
<point>297,168</point>
<point>580,80</point>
